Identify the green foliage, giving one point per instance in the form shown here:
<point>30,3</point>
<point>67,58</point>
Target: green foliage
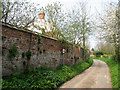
<point>98,53</point>
<point>13,52</point>
<point>105,56</point>
<point>28,55</point>
<point>39,38</point>
<point>113,69</point>
<point>92,49</point>
<point>112,57</point>
<point>44,78</point>
<point>75,57</point>
<point>43,66</point>
<point>23,55</point>
<point>63,42</point>
<point>66,68</point>
<point>68,48</point>
<point>67,72</point>
<point>65,45</point>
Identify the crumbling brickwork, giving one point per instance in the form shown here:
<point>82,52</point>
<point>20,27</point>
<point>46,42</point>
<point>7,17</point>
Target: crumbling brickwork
<point>47,52</point>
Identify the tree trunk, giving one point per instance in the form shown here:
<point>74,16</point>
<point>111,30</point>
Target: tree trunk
<point>73,53</point>
<point>84,46</point>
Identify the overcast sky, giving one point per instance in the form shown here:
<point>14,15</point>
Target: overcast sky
<point>68,4</point>
<point>94,5</point>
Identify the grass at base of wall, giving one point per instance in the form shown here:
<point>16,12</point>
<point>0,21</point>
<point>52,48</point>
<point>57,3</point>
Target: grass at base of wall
<point>45,78</point>
<point>113,65</point>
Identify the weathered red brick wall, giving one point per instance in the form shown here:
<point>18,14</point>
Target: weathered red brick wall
<point>77,51</point>
<point>48,52</point>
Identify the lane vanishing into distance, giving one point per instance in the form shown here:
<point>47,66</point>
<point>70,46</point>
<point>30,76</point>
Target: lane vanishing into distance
<point>97,76</point>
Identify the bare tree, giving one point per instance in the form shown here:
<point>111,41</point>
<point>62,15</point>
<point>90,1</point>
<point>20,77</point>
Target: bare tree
<point>54,16</point>
<point>79,25</point>
<point>20,14</point>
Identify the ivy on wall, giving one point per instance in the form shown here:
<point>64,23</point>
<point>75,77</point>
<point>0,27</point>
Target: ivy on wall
<point>12,52</point>
<point>28,55</point>
<point>23,55</point>
<point>39,38</point>
<point>65,45</point>
<point>68,48</point>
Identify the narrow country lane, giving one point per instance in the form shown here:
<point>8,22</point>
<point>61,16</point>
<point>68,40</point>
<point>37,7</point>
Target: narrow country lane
<point>97,76</point>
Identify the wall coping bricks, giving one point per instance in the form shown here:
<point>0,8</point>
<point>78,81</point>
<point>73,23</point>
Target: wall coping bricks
<point>27,31</point>
<point>32,32</point>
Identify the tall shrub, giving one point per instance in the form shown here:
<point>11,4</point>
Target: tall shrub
<point>98,53</point>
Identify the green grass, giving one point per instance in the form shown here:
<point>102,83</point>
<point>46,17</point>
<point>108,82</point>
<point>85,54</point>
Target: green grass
<point>44,77</point>
<point>113,65</point>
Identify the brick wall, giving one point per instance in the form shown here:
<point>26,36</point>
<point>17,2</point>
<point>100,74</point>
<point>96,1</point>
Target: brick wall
<point>48,52</point>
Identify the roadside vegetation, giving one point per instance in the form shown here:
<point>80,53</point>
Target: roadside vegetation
<point>45,78</point>
<point>113,65</point>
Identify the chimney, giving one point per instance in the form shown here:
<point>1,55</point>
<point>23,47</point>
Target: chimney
<point>41,15</point>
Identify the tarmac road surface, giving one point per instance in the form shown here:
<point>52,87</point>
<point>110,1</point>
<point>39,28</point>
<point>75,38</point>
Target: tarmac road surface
<point>97,76</point>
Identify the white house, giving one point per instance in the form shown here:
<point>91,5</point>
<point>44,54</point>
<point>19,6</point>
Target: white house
<point>41,25</point>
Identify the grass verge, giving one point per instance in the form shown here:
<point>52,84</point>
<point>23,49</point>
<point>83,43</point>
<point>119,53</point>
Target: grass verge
<point>113,65</point>
<point>44,78</point>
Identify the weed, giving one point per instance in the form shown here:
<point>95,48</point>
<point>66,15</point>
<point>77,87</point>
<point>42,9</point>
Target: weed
<point>13,52</point>
<point>44,78</point>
